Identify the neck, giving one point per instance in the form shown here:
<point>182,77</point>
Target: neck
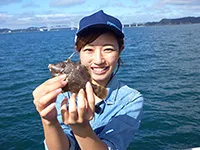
<point>103,83</point>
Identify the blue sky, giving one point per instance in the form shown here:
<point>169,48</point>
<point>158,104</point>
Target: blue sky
<point>17,14</point>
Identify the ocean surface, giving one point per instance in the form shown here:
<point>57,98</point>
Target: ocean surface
<point>162,62</point>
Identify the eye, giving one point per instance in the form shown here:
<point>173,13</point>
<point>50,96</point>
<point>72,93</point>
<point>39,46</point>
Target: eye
<point>109,49</point>
<point>88,49</point>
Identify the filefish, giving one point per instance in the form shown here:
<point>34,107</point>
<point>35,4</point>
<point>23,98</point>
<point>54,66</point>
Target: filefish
<point>77,75</point>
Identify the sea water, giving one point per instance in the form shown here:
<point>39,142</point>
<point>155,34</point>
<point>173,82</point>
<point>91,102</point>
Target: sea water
<point>162,62</point>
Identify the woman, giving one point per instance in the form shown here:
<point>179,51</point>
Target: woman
<point>70,121</point>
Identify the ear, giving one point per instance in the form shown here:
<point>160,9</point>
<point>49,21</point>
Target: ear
<point>75,47</point>
<point>121,49</point>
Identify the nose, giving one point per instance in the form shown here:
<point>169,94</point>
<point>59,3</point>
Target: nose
<point>98,57</point>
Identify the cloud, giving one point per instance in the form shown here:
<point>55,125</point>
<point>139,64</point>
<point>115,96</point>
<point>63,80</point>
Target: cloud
<point>4,17</point>
<point>30,4</point>
<point>180,2</point>
<point>159,9</point>
<point>31,19</point>
<point>134,1</point>
<point>117,3</point>
<point>174,8</point>
<point>184,5</point>
<point>59,19</point>
<point>8,2</point>
<point>126,12</point>
<point>65,3</point>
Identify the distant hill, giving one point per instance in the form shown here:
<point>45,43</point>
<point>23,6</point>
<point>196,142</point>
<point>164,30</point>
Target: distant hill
<point>178,21</point>
<point>4,30</point>
<point>184,20</point>
<point>33,29</point>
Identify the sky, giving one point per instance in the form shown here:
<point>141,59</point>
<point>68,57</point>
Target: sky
<point>18,14</point>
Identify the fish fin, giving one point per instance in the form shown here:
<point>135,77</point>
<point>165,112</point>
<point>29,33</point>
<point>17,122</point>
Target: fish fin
<point>69,58</point>
<point>100,91</point>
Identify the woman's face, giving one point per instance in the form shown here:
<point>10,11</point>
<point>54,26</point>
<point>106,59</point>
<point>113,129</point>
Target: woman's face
<point>101,57</point>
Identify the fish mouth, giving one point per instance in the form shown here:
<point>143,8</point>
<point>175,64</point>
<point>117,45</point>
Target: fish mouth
<point>55,71</point>
<point>99,70</point>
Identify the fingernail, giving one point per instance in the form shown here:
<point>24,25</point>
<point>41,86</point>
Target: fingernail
<point>88,84</point>
<point>74,94</point>
<point>81,90</point>
<point>58,90</point>
<point>64,83</point>
<point>62,76</point>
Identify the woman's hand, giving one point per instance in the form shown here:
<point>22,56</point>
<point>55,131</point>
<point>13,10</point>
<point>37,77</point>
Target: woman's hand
<point>45,97</point>
<point>84,111</point>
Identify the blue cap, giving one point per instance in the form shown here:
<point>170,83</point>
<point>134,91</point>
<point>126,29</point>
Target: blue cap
<point>101,20</point>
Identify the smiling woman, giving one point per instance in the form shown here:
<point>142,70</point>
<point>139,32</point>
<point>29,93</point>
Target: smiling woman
<point>100,51</point>
<point>70,121</point>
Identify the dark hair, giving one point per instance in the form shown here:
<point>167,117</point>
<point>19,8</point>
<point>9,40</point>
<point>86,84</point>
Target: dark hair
<point>89,35</point>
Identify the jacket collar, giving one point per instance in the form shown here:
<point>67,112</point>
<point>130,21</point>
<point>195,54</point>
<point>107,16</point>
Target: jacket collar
<point>112,87</point>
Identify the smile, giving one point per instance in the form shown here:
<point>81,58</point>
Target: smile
<point>98,70</point>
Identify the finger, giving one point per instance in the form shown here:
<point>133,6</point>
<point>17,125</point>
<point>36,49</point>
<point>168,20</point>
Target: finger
<point>50,81</point>
<point>47,99</point>
<point>46,88</point>
<point>73,116</point>
<point>64,111</point>
<point>44,113</point>
<point>81,105</point>
<point>55,79</point>
<point>90,97</point>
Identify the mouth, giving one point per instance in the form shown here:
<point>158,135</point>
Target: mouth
<point>55,71</point>
<point>99,70</point>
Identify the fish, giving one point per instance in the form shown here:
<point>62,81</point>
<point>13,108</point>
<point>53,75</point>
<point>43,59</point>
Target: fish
<point>77,75</point>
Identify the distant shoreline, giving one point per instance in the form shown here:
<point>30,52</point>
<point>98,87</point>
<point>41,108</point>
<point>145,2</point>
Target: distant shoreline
<point>35,29</point>
<point>163,22</point>
<point>177,21</point>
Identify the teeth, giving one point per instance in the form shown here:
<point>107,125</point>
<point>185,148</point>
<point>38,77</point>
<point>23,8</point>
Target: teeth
<point>99,70</point>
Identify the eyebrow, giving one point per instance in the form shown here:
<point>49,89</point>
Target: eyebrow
<point>101,45</point>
